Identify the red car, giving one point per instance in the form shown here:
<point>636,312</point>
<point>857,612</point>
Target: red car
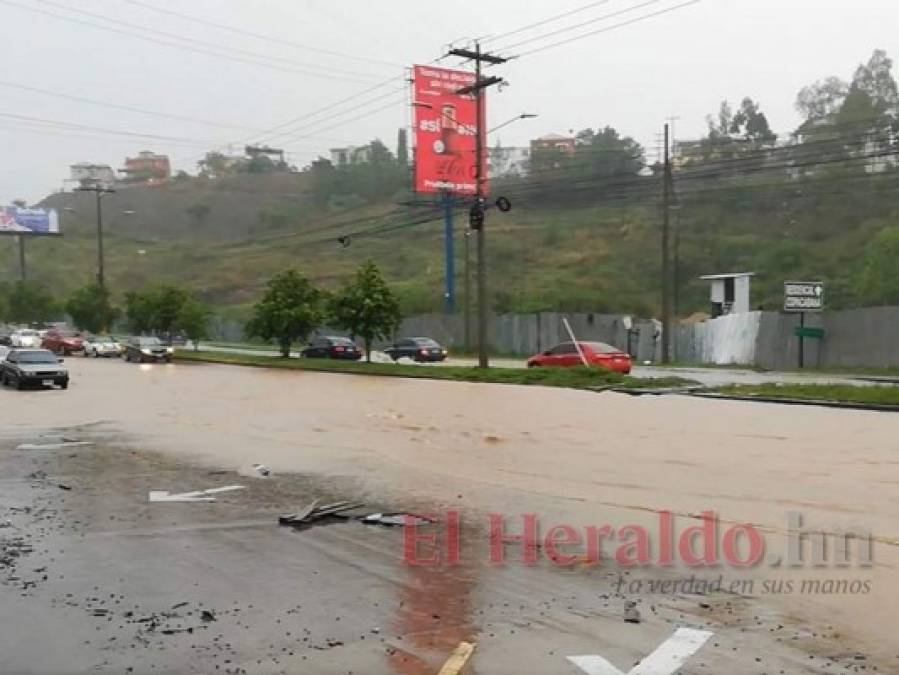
<point>597,354</point>
<point>62,342</point>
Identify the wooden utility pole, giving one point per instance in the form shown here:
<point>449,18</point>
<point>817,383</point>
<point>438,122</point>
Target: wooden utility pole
<point>477,215</point>
<point>666,274</point>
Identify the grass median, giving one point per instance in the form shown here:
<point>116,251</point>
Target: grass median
<point>874,395</point>
<point>575,378</point>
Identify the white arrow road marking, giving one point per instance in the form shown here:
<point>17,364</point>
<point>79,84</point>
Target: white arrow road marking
<point>667,658</point>
<point>196,496</point>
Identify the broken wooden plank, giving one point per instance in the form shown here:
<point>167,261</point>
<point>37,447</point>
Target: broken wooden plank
<point>458,659</point>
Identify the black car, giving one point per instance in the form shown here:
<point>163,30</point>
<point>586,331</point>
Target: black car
<point>142,349</point>
<point>33,367</point>
<point>417,348</point>
<point>331,347</point>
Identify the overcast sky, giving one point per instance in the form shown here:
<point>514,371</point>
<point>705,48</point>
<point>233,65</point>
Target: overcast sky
<point>681,64</point>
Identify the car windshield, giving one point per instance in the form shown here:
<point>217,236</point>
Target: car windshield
<point>425,342</point>
<point>28,333</point>
<point>601,347</point>
<point>36,357</point>
<point>149,342</point>
<point>342,342</point>
<point>103,340</point>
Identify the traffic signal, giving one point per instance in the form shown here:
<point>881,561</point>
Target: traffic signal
<point>476,216</point>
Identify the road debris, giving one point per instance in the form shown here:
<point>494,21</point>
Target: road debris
<point>195,496</point>
<point>458,659</point>
<point>312,512</point>
<point>394,519</point>
<point>631,613</point>
<point>262,470</point>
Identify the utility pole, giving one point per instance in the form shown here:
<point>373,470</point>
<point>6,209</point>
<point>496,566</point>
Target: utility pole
<point>477,210</point>
<point>22,272</point>
<point>666,304</point>
<point>99,191</point>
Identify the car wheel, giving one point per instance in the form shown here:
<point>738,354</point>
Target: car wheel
<point>64,384</point>
<point>4,380</point>
<point>20,384</point>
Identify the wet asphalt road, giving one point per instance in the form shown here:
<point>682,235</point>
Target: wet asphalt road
<point>95,579</point>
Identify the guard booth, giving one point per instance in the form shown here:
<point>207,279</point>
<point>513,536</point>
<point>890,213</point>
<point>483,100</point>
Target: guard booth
<point>730,292</point>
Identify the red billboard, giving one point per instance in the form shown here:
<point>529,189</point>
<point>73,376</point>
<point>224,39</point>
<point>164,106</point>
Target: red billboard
<point>445,128</point>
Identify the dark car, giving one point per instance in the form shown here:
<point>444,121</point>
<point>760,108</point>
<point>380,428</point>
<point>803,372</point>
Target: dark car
<point>331,347</point>
<point>33,367</point>
<point>142,349</point>
<point>417,348</point>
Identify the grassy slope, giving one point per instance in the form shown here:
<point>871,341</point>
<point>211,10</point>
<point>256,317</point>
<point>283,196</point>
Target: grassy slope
<point>877,395</point>
<point>567,257</point>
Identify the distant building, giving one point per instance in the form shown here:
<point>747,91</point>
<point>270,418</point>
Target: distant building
<point>147,166</point>
<point>350,155</point>
<point>86,174</point>
<point>554,142</point>
<point>507,161</point>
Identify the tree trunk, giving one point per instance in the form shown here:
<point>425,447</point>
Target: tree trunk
<point>285,349</point>
<point>367,351</point>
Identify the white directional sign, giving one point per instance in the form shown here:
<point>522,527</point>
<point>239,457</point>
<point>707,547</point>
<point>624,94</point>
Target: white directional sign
<point>196,496</point>
<point>803,296</point>
<point>666,659</point>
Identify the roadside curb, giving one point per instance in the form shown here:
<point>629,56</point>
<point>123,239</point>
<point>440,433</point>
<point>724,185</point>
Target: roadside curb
<point>848,405</point>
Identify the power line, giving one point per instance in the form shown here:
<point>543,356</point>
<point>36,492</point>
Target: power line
<point>84,127</point>
<point>598,19</point>
<point>610,28</point>
<point>537,24</point>
<point>260,36</point>
<point>119,106</point>
<point>227,52</point>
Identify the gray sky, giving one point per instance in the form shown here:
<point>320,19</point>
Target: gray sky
<point>682,63</point>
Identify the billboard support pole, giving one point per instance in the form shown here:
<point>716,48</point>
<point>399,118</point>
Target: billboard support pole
<point>666,296</point>
<point>801,341</point>
<point>467,304</point>
<point>22,270</point>
<point>449,251</point>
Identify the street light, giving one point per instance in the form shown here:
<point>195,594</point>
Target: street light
<point>522,116</point>
<point>99,191</point>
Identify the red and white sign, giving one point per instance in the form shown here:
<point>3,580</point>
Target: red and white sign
<point>445,128</point>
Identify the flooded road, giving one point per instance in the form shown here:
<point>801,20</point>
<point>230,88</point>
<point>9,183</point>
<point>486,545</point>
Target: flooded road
<point>339,598</point>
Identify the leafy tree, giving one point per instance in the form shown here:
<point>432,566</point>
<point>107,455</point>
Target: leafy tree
<point>731,133</point>
<point>822,99</point>
<point>182,176</point>
<point>91,309</point>
<point>367,307</point>
<point>879,282</point>
<point>155,310</point>
<point>290,309</point>
<point>193,320</point>
<point>30,302</point>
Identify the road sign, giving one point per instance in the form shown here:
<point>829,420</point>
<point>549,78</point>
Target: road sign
<point>810,332</point>
<point>803,296</point>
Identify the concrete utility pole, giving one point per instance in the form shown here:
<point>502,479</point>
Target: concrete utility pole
<point>666,304</point>
<point>99,191</point>
<point>477,216</point>
<point>467,306</point>
<point>22,272</point>
<point>449,296</point>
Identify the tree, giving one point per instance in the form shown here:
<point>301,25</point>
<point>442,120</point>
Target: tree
<point>290,309</point>
<point>366,307</point>
<point>155,310</point>
<point>30,302</point>
<point>91,309</point>
<point>402,148</point>
<point>879,282</point>
<point>193,320</point>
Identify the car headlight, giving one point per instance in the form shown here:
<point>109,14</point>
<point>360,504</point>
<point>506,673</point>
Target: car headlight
<point>146,351</point>
<point>170,350</point>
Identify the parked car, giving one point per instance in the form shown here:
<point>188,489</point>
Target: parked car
<point>417,348</point>
<point>102,345</point>
<point>63,342</point>
<point>4,350</point>
<point>143,349</point>
<point>25,338</point>
<point>597,354</point>
<point>33,367</point>
<point>5,338</point>
<point>332,347</point>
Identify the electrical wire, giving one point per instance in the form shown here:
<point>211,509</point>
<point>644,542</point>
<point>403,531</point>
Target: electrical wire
<point>543,22</point>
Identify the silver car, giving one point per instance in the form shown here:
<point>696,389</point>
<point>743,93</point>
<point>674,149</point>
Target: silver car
<point>102,345</point>
<point>25,338</point>
<point>33,367</point>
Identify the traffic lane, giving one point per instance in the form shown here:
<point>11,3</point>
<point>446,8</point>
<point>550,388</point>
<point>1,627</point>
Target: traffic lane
<point>570,456</point>
<point>120,585</point>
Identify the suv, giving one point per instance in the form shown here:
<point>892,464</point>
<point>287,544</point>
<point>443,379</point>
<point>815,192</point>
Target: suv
<point>37,367</point>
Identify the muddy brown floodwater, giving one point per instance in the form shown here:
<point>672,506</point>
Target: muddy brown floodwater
<point>568,457</point>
